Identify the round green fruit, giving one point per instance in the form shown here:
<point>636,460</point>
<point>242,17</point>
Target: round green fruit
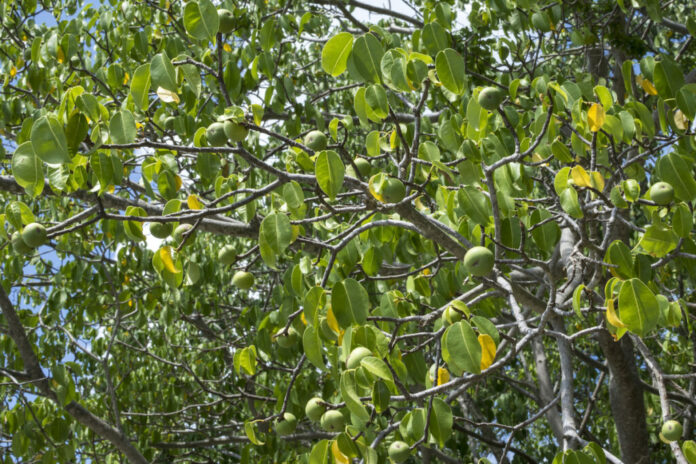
<point>316,140</point>
<point>226,19</point>
<point>662,193</point>
<point>243,280</point>
<point>393,190</point>
<point>364,166</point>
<point>541,22</point>
<point>490,98</point>
<point>333,421</point>
<point>288,340</point>
<point>234,131</point>
<point>161,229</point>
<point>18,244</point>
<point>179,232</point>
<point>215,133</point>
<point>479,261</point>
<point>315,409</point>
<point>672,430</point>
<point>287,425</point>
<point>34,235</point>
<point>450,316</point>
<point>227,255</point>
<point>356,356</point>
<point>398,451</point>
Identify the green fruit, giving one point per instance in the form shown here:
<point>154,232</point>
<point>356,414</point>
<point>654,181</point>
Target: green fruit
<point>398,451</point>
<point>19,246</point>
<point>215,133</point>
<point>226,19</point>
<point>479,261</point>
<point>364,166</point>
<point>333,421</point>
<point>541,22</point>
<point>287,425</point>
<point>356,356</point>
<point>227,255</point>
<point>288,340</point>
<point>672,430</point>
<point>243,280</point>
<point>450,316</point>
<point>34,235</point>
<point>314,409</point>
<point>234,131</point>
<point>161,229</point>
<point>393,190</point>
<point>662,193</point>
<point>490,98</point>
<point>316,140</point>
<point>179,232</point>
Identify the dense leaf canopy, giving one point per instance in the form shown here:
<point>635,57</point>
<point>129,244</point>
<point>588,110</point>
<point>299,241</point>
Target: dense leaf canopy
<point>310,231</point>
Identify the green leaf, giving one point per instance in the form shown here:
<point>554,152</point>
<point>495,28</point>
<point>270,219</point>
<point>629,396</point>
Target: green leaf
<point>319,453</point>
<point>682,221</point>
<point>394,70</point>
<point>461,349</point>
<point>620,255</point>
<point>569,202</point>
<point>122,127</point>
<point>330,171</point>
<point>245,359</point>
<point>140,86</point>
<point>275,235</point>
<point>350,302</point>
<point>435,38</point>
<point>49,142</point>
<point>335,53</point>
<point>376,99</point>
<point>668,78</point>
<point>441,421</point>
<point>377,367</point>
<point>658,240</point>
<point>678,172</point>
<point>367,55</point>
<point>162,73</point>
<point>475,204</point>
<point>27,169</point>
<point>351,397</point>
<point>380,396</point>
<point>638,307</point>
<point>689,449</point>
<point>201,19</point>
<point>293,195</point>
<point>372,143</point>
<point>451,71</point>
<point>686,100</point>
<point>250,431</point>
<point>18,214</point>
<point>312,346</point>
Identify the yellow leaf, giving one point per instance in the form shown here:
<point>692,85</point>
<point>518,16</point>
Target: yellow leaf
<point>331,320</point>
<point>580,176</point>
<point>393,139</point>
<point>612,317</point>
<point>166,256</point>
<point>227,48</point>
<point>443,375</point>
<point>595,117</point>
<point>339,458</point>
<point>647,86</point>
<point>193,202</point>
<point>177,182</point>
<point>597,180</point>
<point>167,96</point>
<point>60,55</point>
<point>126,78</point>
<point>487,350</point>
<point>680,120</point>
<point>13,71</point>
<point>304,320</point>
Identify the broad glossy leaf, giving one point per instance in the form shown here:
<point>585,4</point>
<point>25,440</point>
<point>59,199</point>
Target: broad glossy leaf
<point>335,53</point>
<point>451,70</point>
<point>441,421</point>
<point>435,38</point>
<point>275,235</point>
<point>27,169</point>
<point>377,367</point>
<point>570,204</point>
<point>201,19</point>
<point>658,240</point>
<point>162,72</point>
<point>488,350</point>
<point>49,142</point>
<point>461,349</point>
<point>122,127</point>
<point>668,78</point>
<point>638,307</point>
<point>367,55</point>
<point>330,172</point>
<point>311,343</point>
<point>682,221</point>
<point>351,397</point>
<point>678,171</point>
<point>620,255</point>
<point>140,86</point>
<point>319,453</point>
<point>350,302</point>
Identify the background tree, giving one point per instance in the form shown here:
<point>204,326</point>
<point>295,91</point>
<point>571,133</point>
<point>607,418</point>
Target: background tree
<point>267,231</point>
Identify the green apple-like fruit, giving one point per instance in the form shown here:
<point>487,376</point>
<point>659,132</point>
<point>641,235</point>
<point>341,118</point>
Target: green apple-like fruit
<point>288,340</point>
<point>398,451</point>
<point>662,193</point>
<point>18,244</point>
<point>161,229</point>
<point>314,409</point>
<point>672,430</point>
<point>356,356</point>
<point>226,19</point>
<point>490,98</point>
<point>332,421</point>
<point>179,232</point>
<point>393,190</point>
<point>34,235</point>
<point>316,140</point>
<point>243,280</point>
<point>364,166</point>
<point>450,316</point>
<point>287,425</point>
<point>227,255</point>
<point>215,133</point>
<point>479,261</point>
<point>234,131</point>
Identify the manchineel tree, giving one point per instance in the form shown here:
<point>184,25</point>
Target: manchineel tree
<point>310,231</point>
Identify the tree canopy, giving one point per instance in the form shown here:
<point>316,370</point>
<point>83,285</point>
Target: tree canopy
<point>337,231</point>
